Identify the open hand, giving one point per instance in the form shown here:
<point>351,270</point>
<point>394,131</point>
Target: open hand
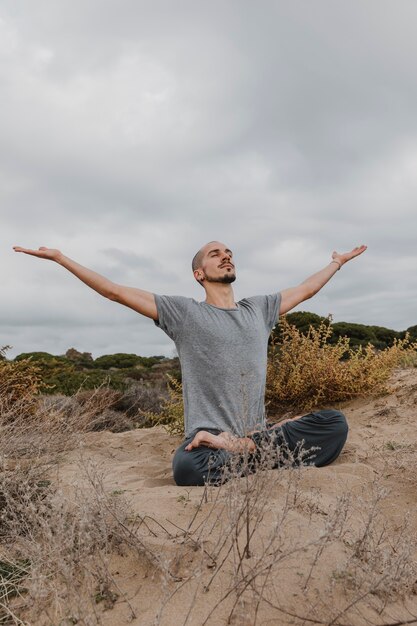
<point>204,438</point>
<point>42,252</point>
<point>347,256</point>
<point>224,440</point>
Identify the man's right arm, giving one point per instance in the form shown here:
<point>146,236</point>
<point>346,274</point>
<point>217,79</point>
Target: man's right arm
<point>137,299</point>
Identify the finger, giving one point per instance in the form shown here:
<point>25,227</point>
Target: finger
<point>359,249</point>
<point>26,250</point>
<point>192,444</point>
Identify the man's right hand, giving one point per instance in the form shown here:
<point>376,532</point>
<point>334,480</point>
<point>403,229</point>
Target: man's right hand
<point>42,252</point>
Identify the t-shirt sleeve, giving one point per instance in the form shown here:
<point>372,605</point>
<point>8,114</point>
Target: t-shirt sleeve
<point>172,312</point>
<point>269,306</point>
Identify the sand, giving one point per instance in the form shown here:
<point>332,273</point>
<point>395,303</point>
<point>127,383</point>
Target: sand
<point>381,452</point>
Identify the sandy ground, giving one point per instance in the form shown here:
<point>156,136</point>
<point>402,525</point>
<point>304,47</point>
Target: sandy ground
<point>381,450</point>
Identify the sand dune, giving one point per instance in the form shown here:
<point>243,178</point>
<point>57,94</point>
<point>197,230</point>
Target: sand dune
<point>381,450</point>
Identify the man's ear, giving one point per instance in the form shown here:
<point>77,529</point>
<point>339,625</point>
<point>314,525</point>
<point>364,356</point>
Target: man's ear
<point>199,276</point>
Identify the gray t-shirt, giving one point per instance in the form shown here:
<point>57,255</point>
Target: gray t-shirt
<point>223,355</point>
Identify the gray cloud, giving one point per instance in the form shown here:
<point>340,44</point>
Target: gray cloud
<point>131,134</point>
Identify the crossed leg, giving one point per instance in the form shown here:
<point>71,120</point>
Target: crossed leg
<point>324,433</point>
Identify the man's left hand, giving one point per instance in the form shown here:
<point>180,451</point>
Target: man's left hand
<point>224,441</point>
<point>347,256</point>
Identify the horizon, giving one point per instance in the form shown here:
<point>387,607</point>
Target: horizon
<point>165,356</point>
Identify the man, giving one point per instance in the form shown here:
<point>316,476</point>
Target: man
<point>222,347</point>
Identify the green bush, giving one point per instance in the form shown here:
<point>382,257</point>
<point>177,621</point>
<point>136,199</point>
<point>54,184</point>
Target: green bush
<point>124,361</point>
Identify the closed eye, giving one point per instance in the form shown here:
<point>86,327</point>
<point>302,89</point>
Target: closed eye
<point>217,252</point>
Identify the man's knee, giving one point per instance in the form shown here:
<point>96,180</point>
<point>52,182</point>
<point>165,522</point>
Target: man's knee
<point>336,419</point>
<point>341,425</point>
<point>199,466</point>
<point>185,470</point>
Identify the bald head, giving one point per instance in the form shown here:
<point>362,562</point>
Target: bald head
<point>206,266</point>
<point>198,257</point>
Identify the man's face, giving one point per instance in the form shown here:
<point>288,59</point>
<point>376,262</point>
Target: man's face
<point>217,264</point>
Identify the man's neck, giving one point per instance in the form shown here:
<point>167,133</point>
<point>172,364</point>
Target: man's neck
<point>220,295</point>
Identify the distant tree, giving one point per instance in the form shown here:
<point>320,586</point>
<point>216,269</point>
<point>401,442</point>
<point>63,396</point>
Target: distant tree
<point>82,359</point>
<point>412,331</point>
<point>39,356</point>
<point>302,320</point>
<point>384,337</point>
<point>361,335</point>
<point>119,360</point>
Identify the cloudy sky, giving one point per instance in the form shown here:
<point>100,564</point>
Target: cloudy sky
<point>133,132</point>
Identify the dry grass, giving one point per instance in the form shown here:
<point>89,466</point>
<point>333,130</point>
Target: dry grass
<point>57,549</point>
<point>56,544</point>
<point>264,560</point>
<point>306,371</point>
<point>65,541</point>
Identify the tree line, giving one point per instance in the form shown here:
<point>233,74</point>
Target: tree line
<point>66,374</point>
<point>358,334</point>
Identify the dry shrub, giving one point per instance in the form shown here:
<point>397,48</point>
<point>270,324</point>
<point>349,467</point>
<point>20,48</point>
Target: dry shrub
<point>19,383</point>
<point>172,409</point>
<point>141,398</point>
<point>11,575</point>
<point>306,371</point>
<point>96,410</point>
<point>108,409</point>
<point>54,424</point>
<point>409,359</point>
<point>34,426</point>
<point>86,410</point>
<point>58,546</point>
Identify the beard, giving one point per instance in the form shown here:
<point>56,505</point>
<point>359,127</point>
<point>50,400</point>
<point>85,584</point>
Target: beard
<point>226,279</point>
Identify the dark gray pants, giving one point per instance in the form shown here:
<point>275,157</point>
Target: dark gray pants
<point>321,435</point>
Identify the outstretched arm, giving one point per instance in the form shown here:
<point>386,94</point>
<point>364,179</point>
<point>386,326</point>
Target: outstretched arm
<point>137,299</point>
<point>295,295</point>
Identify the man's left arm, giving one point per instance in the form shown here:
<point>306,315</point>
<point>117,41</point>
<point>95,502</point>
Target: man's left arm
<point>295,295</point>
